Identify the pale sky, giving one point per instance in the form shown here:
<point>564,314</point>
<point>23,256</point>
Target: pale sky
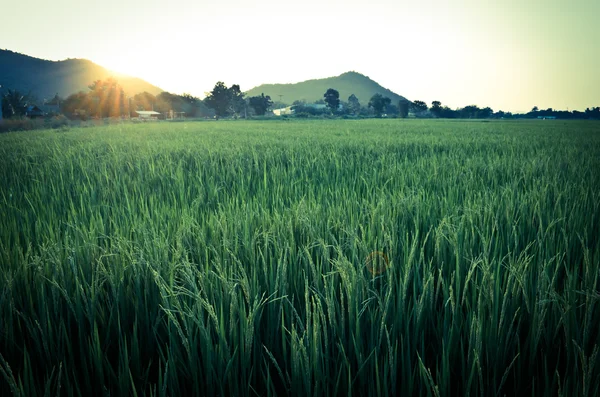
<point>507,54</point>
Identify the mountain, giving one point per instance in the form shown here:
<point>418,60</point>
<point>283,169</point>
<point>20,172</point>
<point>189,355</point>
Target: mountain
<point>311,90</point>
<point>44,79</point>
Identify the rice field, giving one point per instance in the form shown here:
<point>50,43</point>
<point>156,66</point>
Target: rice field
<point>328,257</point>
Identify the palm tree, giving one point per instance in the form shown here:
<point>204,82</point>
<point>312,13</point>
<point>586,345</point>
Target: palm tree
<point>13,104</point>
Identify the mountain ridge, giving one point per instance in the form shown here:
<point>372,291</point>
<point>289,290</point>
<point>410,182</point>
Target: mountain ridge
<point>348,83</point>
<point>44,78</point>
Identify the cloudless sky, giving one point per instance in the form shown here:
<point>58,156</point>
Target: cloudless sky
<point>507,54</point>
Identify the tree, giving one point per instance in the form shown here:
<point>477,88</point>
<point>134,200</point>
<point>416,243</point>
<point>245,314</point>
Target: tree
<point>332,98</point>
<point>378,102</point>
<point>14,104</point>
<point>165,102</point>
<point>190,105</point>
<point>419,106</point>
<point>469,112</point>
<point>226,101</point>
<point>392,110</point>
<point>353,104</point>
<point>237,102</point>
<point>218,99</point>
<point>534,109</point>
<point>76,105</point>
<point>485,113</point>
<point>144,101</point>
<point>108,98</point>
<point>448,113</point>
<point>299,106</point>
<point>436,108</point>
<point>194,106</point>
<point>260,104</point>
<point>403,107</point>
<point>593,113</point>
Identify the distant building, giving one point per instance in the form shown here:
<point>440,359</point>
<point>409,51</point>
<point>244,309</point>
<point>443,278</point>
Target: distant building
<point>283,111</point>
<point>172,115</point>
<point>52,106</point>
<point>33,111</point>
<point>546,117</point>
<point>147,115</point>
<point>290,110</point>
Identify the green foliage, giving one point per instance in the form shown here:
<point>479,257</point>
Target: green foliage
<point>106,98</point>
<point>304,110</point>
<point>353,104</point>
<point>146,101</point>
<point>261,104</point>
<point>230,259</point>
<point>226,101</point>
<point>419,106</point>
<point>332,99</point>
<point>28,124</point>
<point>237,102</point>
<point>403,108</point>
<point>189,104</point>
<point>13,104</point>
<point>77,105</point>
<point>436,108</point>
<point>379,104</point>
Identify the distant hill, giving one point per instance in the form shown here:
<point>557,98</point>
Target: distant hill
<point>311,90</point>
<point>44,79</point>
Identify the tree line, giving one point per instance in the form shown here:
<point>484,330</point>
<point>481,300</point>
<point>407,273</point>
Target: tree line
<point>106,98</point>
<point>231,102</point>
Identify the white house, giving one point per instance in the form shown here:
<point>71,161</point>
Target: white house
<point>282,111</point>
<point>146,115</point>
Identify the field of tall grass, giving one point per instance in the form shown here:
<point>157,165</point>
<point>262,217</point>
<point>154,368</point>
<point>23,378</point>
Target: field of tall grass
<point>371,257</point>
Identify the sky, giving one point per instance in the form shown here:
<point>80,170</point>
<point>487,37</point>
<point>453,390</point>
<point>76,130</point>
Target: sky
<point>510,55</point>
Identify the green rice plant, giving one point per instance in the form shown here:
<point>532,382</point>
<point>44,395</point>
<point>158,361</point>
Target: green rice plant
<point>236,258</point>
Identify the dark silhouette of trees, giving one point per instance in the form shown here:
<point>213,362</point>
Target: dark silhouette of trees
<point>436,108</point>
<point>593,113</point>
<point>448,113</point>
<point>219,99</point>
<point>77,105</point>
<point>485,113</point>
<point>194,106</point>
<point>419,107</point>
<point>106,98</point>
<point>469,112</point>
<point>261,104</point>
<point>353,104</point>
<point>403,108</point>
<point>190,105</point>
<point>378,102</point>
<point>303,109</point>
<point>226,101</point>
<point>14,104</point>
<point>332,99</point>
<point>237,103</point>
